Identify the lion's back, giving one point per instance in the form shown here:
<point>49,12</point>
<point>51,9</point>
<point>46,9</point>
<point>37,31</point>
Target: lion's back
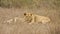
<point>42,19</point>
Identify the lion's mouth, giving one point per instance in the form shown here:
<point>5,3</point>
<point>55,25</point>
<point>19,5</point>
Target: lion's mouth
<point>28,20</point>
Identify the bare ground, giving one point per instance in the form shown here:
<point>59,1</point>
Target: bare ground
<point>25,28</point>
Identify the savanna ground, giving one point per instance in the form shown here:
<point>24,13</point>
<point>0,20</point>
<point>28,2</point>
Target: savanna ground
<point>10,9</point>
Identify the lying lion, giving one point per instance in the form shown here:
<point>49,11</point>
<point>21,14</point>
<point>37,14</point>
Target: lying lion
<point>32,18</point>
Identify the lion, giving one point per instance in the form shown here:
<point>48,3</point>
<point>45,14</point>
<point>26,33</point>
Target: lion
<point>32,18</point>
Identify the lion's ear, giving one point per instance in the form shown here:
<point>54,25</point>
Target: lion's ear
<point>24,14</point>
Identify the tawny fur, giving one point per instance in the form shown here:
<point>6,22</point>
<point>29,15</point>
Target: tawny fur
<point>32,18</point>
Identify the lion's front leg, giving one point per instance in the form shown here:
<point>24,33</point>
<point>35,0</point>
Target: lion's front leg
<point>32,21</point>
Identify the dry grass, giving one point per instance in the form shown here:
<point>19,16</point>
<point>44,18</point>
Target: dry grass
<point>30,3</point>
<point>50,8</point>
<point>24,28</point>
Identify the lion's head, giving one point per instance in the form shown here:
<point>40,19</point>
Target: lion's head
<point>28,17</point>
